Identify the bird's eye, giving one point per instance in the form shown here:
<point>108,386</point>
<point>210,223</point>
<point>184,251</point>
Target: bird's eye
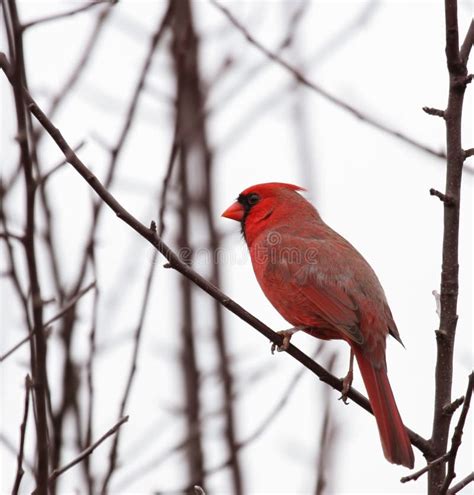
<point>253,198</point>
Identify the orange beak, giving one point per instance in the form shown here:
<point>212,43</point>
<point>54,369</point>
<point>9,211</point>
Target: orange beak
<point>234,212</point>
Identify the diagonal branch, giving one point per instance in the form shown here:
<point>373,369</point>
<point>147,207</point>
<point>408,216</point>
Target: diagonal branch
<point>86,452</point>
<point>467,43</point>
<point>414,476</point>
<point>301,78</point>
<point>58,315</point>
<point>67,13</point>
<point>463,483</point>
<point>450,456</point>
<point>457,437</point>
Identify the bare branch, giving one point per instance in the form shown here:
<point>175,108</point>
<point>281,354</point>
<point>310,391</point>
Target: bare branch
<point>12,271</point>
<point>447,200</point>
<point>445,336</point>
<point>326,445</point>
<point>68,13</point>
<point>449,457</point>
<point>38,343</point>
<point>434,111</point>
<point>19,468</point>
<point>463,483</point>
<point>42,181</point>
<point>334,43</point>
<point>301,78</point>
<point>71,303</point>
<point>90,378</point>
<point>166,183</point>
<point>457,437</point>
<point>81,63</point>
<point>86,452</point>
<point>58,315</point>
<point>452,408</point>
<point>467,43</point>
<point>469,152</point>
<point>15,237</point>
<point>11,447</point>
<point>414,476</point>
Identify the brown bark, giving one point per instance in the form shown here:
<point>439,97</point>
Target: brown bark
<point>445,336</point>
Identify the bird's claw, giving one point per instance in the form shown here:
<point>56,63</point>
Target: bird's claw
<point>346,385</point>
<point>286,334</point>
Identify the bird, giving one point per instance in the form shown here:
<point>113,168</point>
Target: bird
<point>323,286</point>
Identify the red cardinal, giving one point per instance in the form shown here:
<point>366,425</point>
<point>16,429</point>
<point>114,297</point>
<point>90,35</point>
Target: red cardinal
<point>322,285</point>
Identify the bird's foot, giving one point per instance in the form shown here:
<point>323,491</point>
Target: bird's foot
<point>286,334</point>
<point>346,385</point>
<point>347,380</point>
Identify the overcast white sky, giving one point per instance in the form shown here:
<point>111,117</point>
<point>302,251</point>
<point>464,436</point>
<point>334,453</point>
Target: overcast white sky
<point>370,187</point>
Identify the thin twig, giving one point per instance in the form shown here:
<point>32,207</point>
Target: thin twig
<point>321,91</point>
<point>71,303</point>
<point>11,447</point>
<point>67,13</point>
<point>42,181</point>
<point>447,200</point>
<point>15,237</point>
<point>461,484</point>
<point>166,183</point>
<point>326,441</point>
<point>58,315</point>
<point>81,64</point>
<point>414,476</point>
<point>434,111</point>
<point>342,37</point>
<point>86,452</point>
<point>19,469</point>
<point>451,408</point>
<point>12,271</point>
<point>457,437</point>
<point>467,44</point>
<point>90,375</point>
<point>450,456</point>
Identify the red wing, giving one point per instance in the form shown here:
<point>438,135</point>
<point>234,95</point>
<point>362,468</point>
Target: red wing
<point>331,302</point>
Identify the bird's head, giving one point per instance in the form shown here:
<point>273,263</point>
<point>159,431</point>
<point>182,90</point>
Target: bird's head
<point>264,206</point>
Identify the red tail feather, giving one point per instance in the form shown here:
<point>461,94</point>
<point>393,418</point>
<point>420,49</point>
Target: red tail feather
<point>393,434</point>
